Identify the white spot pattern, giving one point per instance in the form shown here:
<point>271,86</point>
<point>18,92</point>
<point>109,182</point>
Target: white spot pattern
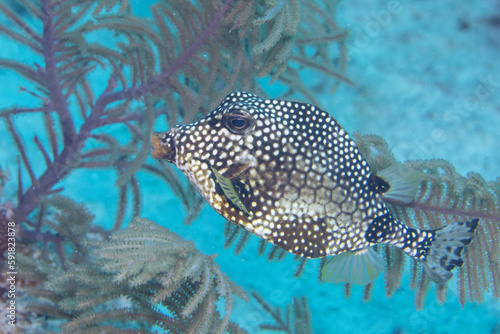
<point>297,171</point>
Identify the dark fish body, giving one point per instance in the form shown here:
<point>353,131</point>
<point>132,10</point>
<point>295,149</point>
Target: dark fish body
<point>289,173</point>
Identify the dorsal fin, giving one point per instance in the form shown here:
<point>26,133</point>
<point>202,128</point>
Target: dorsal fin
<point>378,184</point>
<point>403,182</point>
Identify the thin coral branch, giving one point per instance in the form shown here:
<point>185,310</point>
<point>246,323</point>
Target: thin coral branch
<point>55,191</point>
<point>297,320</point>
<point>61,165</point>
<point>42,150</point>
<point>17,20</point>
<point>129,117</point>
<point>324,14</point>
<point>41,214</point>
<point>330,38</point>
<point>96,153</point>
<point>51,74</point>
<point>136,192</point>
<point>122,205</point>
<point>275,312</point>
<point>301,266</point>
<point>19,181</point>
<point>367,292</point>
<point>444,197</point>
<point>133,129</point>
<point>323,69</point>
<point>95,164</point>
<point>67,17</point>
<point>14,111</point>
<point>46,237</point>
<point>22,151</point>
<point>169,177</point>
<point>49,127</point>
<point>421,206</point>
<point>158,80</point>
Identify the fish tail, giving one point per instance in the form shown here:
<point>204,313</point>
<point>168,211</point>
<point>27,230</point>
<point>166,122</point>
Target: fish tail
<point>439,251</point>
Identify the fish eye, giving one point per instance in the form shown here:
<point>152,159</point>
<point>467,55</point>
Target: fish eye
<point>238,122</point>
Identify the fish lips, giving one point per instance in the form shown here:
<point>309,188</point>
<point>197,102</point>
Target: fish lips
<point>163,145</point>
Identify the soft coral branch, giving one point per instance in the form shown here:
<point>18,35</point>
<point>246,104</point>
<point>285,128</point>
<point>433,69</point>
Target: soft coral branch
<point>70,156</point>
<point>22,150</point>
<point>51,73</point>
<point>182,60</point>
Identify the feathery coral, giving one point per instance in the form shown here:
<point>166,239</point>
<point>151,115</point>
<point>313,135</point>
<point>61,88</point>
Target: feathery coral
<point>445,197</point>
<point>166,68</point>
<point>297,319</point>
<point>142,276</point>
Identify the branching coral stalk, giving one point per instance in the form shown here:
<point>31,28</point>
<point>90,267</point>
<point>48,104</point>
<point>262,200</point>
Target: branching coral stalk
<point>445,197</point>
<point>74,142</point>
<point>161,79</point>
<point>186,64</point>
<point>51,75</point>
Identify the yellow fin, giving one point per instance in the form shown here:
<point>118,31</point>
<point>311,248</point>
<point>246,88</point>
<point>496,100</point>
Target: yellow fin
<point>229,191</point>
<point>359,267</point>
<point>404,182</point>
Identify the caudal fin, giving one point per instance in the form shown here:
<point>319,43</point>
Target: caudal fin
<point>445,249</point>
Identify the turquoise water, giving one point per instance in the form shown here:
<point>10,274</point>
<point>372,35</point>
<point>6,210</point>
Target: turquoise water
<point>427,80</point>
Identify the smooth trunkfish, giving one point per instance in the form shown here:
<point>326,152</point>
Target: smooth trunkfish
<point>290,174</point>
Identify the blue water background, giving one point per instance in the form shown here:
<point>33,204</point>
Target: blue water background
<point>427,79</point>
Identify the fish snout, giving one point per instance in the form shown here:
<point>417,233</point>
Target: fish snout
<point>163,145</point>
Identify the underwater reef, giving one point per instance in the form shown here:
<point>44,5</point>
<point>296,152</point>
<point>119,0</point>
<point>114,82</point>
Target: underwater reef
<point>93,80</point>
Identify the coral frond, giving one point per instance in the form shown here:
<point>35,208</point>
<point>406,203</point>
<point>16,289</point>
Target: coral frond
<point>297,320</point>
<point>129,278</point>
<point>445,197</point>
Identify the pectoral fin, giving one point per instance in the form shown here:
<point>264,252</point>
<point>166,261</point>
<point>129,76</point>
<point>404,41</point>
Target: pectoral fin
<point>236,169</point>
<point>229,189</point>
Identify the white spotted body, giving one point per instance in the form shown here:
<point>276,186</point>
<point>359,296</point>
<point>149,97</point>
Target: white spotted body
<point>304,184</point>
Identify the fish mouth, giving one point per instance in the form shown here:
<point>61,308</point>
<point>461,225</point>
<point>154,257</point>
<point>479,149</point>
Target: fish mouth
<point>163,145</point>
